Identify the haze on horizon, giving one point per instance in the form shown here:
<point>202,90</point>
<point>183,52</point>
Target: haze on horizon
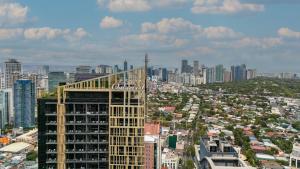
<point>263,34</point>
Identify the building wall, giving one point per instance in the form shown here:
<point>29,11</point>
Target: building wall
<point>24,103</point>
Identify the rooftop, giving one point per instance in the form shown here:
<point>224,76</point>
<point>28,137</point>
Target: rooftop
<point>15,147</point>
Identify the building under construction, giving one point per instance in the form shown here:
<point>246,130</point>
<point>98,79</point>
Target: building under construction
<point>97,123</point>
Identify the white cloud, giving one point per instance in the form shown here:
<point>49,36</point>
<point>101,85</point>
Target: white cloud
<point>12,13</point>
<point>180,42</point>
<point>224,6</point>
<point>42,33</point>
<point>129,5</point>
<point>247,42</point>
<point>288,33</point>
<point>10,33</point>
<point>219,32</point>
<point>138,5</point>
<point>110,22</point>
<point>171,25</point>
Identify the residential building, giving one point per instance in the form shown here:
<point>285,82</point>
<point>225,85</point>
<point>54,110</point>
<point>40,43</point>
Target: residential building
<point>6,107</point>
<point>97,123</point>
<point>170,159</point>
<point>196,68</point>
<point>11,67</point>
<point>83,69</point>
<point>24,103</point>
<point>217,153</point>
<point>152,146</point>
<point>219,74</point>
<point>54,79</point>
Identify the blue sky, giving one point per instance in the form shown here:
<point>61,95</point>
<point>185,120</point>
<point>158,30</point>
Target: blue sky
<point>264,34</point>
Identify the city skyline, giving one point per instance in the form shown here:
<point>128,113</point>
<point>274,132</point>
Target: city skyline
<point>208,31</point>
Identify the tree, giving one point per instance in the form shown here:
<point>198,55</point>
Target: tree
<point>31,156</point>
<point>189,164</point>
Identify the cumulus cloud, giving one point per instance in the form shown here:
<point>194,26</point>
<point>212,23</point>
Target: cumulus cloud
<point>288,33</point>
<point>170,25</point>
<point>224,6</point>
<point>47,33</point>
<point>12,13</point>
<point>128,5</point>
<point>137,5</point>
<point>182,26</point>
<point>110,22</point>
<point>10,33</point>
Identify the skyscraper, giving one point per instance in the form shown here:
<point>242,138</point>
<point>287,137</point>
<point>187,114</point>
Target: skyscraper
<point>6,107</point>
<point>196,68</point>
<point>83,69</point>
<point>219,74</point>
<point>24,103</point>
<point>103,69</point>
<point>11,67</point>
<point>54,79</point>
<point>44,70</point>
<point>184,66</point>
<point>98,123</point>
<point>125,66</point>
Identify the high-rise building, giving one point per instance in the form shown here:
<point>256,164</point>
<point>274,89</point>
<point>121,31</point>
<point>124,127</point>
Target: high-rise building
<point>11,68</point>
<point>98,123</point>
<point>239,73</point>
<point>54,79</point>
<point>44,70</point>
<point>227,76</point>
<point>184,66</point>
<point>163,74</point>
<point>131,67</point>
<point>104,69</point>
<point>219,74</point>
<point>251,74</point>
<point>125,67</point>
<point>6,107</point>
<point>152,146</point>
<point>196,68</point>
<point>210,75</point>
<point>83,69</point>
<point>24,103</point>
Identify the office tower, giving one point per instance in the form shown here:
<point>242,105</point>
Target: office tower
<point>98,123</point>
<point>6,107</point>
<point>196,68</point>
<point>131,67</point>
<point>251,74</point>
<point>11,68</point>
<point>116,69</point>
<point>103,69</point>
<point>83,69</point>
<point>44,70</point>
<point>239,73</point>
<point>125,66</point>
<point>227,76</point>
<point>219,74</point>
<point>184,66</point>
<point>210,75</point>
<point>232,73</point>
<point>163,74</point>
<point>2,80</point>
<point>24,103</point>
<point>150,72</point>
<point>54,79</point>
<point>152,146</point>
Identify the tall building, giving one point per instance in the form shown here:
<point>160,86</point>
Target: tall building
<point>251,74</point>
<point>54,79</point>
<point>116,69</point>
<point>103,69</point>
<point>125,67</point>
<point>219,74</point>
<point>6,107</point>
<point>24,103</point>
<point>184,66</point>
<point>10,68</point>
<point>227,76</point>
<point>239,73</point>
<point>83,69</point>
<point>44,70</point>
<point>196,68</point>
<point>152,146</point>
<point>98,123</point>
<point>163,74</point>
<point>295,156</point>
<point>210,75</point>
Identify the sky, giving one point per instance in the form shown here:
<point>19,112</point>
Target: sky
<point>264,34</point>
